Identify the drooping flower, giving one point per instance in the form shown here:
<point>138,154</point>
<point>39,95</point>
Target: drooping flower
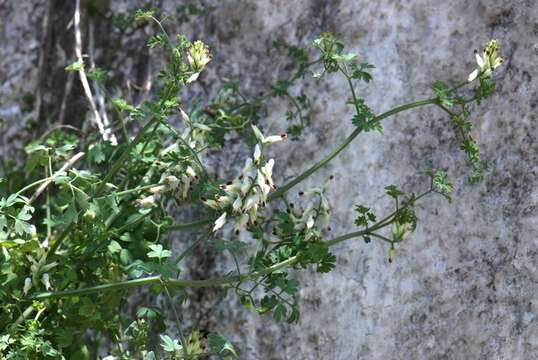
<point>147,202</point>
<point>46,281</point>
<point>27,285</point>
<point>489,61</point>
<point>241,223</point>
<point>219,222</point>
<point>257,154</point>
<point>249,191</point>
<point>266,140</point>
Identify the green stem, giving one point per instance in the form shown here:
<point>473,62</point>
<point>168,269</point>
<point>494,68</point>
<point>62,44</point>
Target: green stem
<point>282,190</point>
<point>184,343</point>
<point>129,191</point>
<point>153,280</point>
<point>35,183</point>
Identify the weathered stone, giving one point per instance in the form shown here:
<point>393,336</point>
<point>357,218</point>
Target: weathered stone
<point>464,285</point>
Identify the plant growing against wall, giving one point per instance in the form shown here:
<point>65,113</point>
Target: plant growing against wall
<point>92,222</point>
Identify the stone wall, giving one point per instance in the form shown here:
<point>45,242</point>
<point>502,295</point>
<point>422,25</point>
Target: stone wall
<point>464,285</point>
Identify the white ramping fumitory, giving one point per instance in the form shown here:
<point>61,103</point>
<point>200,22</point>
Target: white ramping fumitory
<point>198,55</point>
<point>317,209</point>
<point>488,62</point>
<point>220,222</point>
<point>237,204</point>
<point>267,171</point>
<point>267,140</point>
<point>241,223</point>
<point>147,202</point>
<point>27,285</point>
<point>249,191</point>
<point>212,204</point>
<point>159,189</point>
<point>257,154</point>
<point>171,181</point>
<point>190,172</point>
<point>45,280</point>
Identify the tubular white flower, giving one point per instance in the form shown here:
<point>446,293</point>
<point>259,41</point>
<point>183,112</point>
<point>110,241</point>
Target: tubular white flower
<point>46,281</point>
<point>233,188</point>
<point>27,285</point>
<point>185,186</point>
<point>274,138</point>
<point>159,189</point>
<point>219,222</point>
<point>225,201</point>
<point>266,140</point>
<point>267,171</point>
<point>258,134</point>
<point>172,181</point>
<point>212,204</point>
<point>241,223</point>
<point>236,206</point>
<point>257,153</point>
<point>190,172</point>
<point>251,201</point>
<point>265,189</point>
<point>147,202</point>
<point>253,213</point>
<point>310,222</point>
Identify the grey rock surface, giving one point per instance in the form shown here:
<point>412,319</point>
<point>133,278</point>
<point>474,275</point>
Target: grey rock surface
<point>464,286</point>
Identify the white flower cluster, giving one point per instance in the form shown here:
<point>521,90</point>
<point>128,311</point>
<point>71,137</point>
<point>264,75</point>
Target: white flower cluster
<point>178,178</point>
<point>247,192</point>
<point>170,183</point>
<point>488,62</point>
<point>316,211</point>
<point>198,56</point>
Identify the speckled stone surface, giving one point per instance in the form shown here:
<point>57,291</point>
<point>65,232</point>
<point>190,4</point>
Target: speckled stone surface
<point>464,286</point>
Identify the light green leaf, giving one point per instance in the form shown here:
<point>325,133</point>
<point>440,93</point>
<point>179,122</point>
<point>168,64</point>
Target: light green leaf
<point>221,345</point>
<point>114,247</point>
<point>158,251</point>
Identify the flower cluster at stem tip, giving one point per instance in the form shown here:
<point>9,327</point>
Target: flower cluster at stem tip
<point>489,61</point>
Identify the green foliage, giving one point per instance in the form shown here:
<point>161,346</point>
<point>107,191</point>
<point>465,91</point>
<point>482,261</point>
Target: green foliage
<point>87,220</point>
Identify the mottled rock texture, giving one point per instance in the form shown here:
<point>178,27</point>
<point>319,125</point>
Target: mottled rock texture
<point>464,286</point>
